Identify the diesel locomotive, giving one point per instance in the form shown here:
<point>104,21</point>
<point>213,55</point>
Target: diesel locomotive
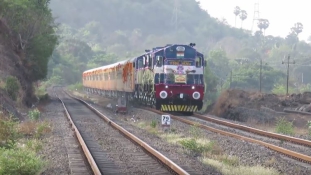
<point>169,78</point>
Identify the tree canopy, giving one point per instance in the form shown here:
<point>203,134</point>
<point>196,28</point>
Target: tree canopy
<point>31,33</point>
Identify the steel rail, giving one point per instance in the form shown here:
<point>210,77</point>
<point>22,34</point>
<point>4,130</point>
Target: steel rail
<point>177,169</point>
<point>85,149</point>
<point>256,131</point>
<point>295,155</point>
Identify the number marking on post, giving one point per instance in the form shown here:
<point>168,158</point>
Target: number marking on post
<point>166,120</point>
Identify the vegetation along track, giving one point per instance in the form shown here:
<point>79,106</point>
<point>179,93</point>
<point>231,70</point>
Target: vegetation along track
<point>113,154</point>
<point>293,154</point>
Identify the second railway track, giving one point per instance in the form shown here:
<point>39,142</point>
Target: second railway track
<point>109,148</point>
<point>298,156</point>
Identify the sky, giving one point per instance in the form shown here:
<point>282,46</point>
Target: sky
<point>282,15</point>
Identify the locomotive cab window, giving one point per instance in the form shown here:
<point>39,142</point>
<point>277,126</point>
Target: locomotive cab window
<point>140,63</point>
<point>159,61</point>
<point>198,61</point>
<point>150,61</point>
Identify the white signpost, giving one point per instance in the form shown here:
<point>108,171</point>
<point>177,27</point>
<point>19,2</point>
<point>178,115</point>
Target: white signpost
<point>166,121</point>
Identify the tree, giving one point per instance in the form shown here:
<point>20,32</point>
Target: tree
<point>263,24</point>
<point>243,16</point>
<point>236,12</point>
<point>27,31</point>
<point>219,64</point>
<point>298,27</point>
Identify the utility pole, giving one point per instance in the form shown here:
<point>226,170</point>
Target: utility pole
<point>260,76</point>
<point>288,62</point>
<point>230,79</point>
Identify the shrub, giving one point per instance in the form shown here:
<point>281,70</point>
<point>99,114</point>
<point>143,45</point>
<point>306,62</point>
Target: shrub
<point>193,145</point>
<point>284,127</point>
<point>42,128</point>
<point>12,87</point>
<point>34,145</point>
<point>8,132</point>
<point>34,114</point>
<point>19,161</point>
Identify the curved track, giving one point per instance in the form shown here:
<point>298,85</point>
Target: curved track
<point>292,154</point>
<point>84,118</point>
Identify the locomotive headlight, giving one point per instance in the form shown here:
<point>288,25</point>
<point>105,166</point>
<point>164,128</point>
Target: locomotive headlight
<point>163,94</point>
<point>166,86</point>
<point>192,87</point>
<point>196,95</point>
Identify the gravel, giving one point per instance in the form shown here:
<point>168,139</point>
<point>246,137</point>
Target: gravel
<point>54,149</point>
<point>128,157</point>
<point>174,152</point>
<point>249,153</point>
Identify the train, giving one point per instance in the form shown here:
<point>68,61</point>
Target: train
<point>169,78</point>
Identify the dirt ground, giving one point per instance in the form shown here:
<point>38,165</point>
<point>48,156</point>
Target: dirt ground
<point>261,108</point>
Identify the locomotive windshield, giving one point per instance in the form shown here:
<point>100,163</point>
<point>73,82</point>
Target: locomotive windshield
<point>180,52</point>
<point>192,79</point>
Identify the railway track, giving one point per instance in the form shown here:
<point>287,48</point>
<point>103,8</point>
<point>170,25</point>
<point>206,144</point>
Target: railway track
<point>255,131</point>
<point>105,150</point>
<point>295,155</point>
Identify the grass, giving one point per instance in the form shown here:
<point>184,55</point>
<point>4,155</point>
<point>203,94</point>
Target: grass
<point>228,169</point>
<point>284,127</point>
<point>35,128</point>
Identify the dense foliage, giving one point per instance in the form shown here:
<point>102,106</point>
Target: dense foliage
<point>31,32</point>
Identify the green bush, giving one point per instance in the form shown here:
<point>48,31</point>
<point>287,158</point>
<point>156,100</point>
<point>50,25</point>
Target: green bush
<point>193,145</point>
<point>12,87</point>
<point>42,128</point>
<point>34,145</point>
<point>284,127</point>
<point>19,161</point>
<point>8,132</point>
<point>34,114</point>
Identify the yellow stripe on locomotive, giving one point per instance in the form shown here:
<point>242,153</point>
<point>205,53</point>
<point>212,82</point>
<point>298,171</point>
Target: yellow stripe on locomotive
<point>183,108</point>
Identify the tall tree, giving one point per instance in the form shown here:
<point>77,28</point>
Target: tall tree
<point>263,24</point>
<point>297,29</point>
<point>236,12</point>
<point>243,16</point>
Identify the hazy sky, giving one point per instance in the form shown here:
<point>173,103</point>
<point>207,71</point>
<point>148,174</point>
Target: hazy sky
<point>282,15</point>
